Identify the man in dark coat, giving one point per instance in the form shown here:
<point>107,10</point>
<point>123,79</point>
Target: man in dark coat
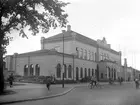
<point>11,79</point>
<point>48,83</point>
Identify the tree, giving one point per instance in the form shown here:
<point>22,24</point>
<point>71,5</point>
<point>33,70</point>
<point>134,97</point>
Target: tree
<point>36,15</point>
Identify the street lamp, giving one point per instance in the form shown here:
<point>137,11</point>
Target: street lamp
<point>63,31</point>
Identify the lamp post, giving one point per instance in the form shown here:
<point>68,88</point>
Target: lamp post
<point>63,31</point>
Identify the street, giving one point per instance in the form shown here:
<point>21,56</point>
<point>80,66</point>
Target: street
<point>125,94</point>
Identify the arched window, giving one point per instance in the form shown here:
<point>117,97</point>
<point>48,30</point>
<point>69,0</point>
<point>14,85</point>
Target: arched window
<point>31,70</point>
<point>93,56</point>
<point>77,51</point>
<point>102,75</point>
<point>85,54</point>
<point>92,72</point>
<point>109,72</point>
<point>37,70</point>
<point>58,71</point>
<point>65,71</point>
<point>89,55</point>
<point>114,74</point>
<point>69,71</point>
<point>85,72</point>
<point>81,56</point>
<point>26,70</point>
<point>81,73</point>
<point>77,73</point>
<point>89,72</point>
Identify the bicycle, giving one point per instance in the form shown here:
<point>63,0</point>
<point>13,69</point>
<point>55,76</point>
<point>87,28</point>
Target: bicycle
<point>91,85</point>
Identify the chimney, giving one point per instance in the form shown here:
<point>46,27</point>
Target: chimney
<point>125,62</point>
<point>42,39</point>
<point>68,27</point>
<point>42,42</point>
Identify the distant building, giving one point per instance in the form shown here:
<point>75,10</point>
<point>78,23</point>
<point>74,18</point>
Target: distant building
<point>83,57</point>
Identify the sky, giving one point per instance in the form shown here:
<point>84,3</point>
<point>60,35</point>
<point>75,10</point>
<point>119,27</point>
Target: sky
<point>116,20</point>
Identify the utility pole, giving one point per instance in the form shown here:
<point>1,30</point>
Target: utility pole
<point>63,32</point>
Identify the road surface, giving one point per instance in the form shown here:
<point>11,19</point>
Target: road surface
<point>109,95</point>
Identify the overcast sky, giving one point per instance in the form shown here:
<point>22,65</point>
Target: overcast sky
<point>116,20</point>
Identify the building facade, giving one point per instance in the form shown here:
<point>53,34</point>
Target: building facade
<point>83,57</point>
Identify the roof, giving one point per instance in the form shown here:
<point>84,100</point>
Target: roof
<point>41,53</point>
<point>109,49</point>
<point>69,36</point>
<point>79,37</point>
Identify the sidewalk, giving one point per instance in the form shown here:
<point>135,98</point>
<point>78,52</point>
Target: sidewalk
<point>30,92</point>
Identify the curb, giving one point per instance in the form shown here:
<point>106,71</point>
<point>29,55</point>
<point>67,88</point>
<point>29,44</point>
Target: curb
<point>39,98</point>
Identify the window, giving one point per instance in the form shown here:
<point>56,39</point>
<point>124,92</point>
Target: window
<point>89,72</point>
<point>112,72</point>
<point>69,71</point>
<point>77,51</point>
<point>58,71</point>
<point>77,73</point>
<point>81,56</point>
<point>115,74</point>
<point>89,55</point>
<point>85,72</point>
<point>92,72</point>
<point>109,72</point>
<point>102,76</point>
<point>37,70</point>
<point>93,56</point>
<point>81,73</point>
<point>65,71</point>
<point>31,70</point>
<point>26,70</point>
<point>85,54</point>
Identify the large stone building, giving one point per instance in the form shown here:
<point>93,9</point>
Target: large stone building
<point>82,57</point>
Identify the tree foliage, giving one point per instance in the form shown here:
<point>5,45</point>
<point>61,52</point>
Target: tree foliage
<point>35,14</point>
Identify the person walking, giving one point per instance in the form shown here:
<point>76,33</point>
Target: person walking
<point>110,81</point>
<point>95,81</point>
<point>120,80</point>
<point>48,83</point>
<point>137,83</point>
<point>11,79</point>
<point>91,82</point>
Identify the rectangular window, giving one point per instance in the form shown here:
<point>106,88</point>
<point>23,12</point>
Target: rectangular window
<point>94,56</point>
<point>102,76</point>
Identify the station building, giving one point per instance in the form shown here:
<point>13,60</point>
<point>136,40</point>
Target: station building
<point>83,57</point>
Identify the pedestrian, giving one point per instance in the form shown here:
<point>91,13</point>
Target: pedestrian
<point>110,81</point>
<point>11,79</point>
<point>91,81</point>
<point>48,83</point>
<point>121,80</point>
<point>95,81</point>
<point>137,83</point>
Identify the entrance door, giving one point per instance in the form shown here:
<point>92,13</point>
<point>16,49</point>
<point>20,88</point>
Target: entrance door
<point>77,73</point>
